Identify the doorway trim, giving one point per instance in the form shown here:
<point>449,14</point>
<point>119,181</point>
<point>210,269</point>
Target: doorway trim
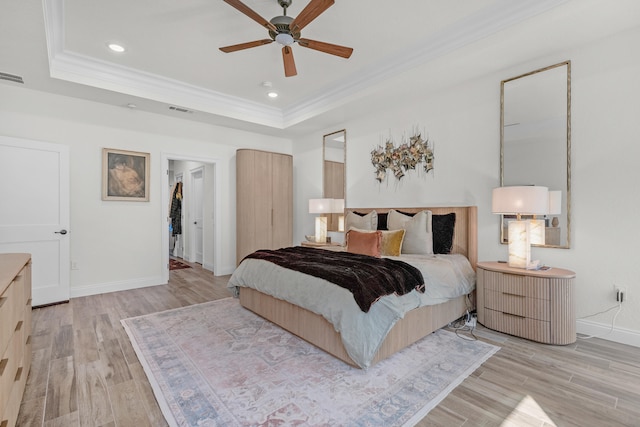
<point>193,253</point>
<point>164,212</point>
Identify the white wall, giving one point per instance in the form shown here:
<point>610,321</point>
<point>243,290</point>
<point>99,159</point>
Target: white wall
<point>463,121</point>
<point>117,245</point>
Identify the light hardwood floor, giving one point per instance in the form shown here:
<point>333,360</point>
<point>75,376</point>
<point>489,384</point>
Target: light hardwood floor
<point>85,372</point>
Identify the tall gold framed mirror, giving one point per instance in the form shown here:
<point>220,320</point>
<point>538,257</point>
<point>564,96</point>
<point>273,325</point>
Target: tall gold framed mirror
<point>333,171</point>
<point>535,143</point>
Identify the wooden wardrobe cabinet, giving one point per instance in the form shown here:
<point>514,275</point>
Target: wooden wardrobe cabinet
<point>264,201</point>
<point>15,333</point>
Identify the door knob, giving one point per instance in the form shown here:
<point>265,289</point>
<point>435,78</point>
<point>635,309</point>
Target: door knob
<point>63,231</point>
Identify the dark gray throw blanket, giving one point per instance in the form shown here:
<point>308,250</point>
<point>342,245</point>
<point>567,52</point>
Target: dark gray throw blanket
<point>368,278</point>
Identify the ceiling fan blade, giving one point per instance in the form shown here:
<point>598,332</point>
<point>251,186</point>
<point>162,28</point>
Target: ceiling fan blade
<point>251,14</point>
<point>329,48</point>
<point>289,63</point>
<point>309,13</point>
<point>241,46</point>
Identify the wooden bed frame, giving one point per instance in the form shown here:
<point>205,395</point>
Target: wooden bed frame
<point>415,325</point>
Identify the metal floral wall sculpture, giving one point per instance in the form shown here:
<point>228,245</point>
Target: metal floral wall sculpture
<point>403,158</point>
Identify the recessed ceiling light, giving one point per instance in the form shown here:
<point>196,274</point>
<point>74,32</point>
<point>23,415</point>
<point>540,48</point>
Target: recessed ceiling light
<point>272,94</point>
<point>116,47</point>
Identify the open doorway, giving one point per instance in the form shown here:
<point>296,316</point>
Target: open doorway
<point>198,237</point>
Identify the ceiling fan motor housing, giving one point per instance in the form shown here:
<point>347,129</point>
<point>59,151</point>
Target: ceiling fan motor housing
<point>284,36</point>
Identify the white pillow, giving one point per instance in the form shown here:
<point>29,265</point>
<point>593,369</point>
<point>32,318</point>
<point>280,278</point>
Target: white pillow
<point>367,222</point>
<point>418,238</point>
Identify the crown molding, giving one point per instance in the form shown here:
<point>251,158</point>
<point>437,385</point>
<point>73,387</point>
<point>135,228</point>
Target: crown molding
<point>488,21</point>
<point>69,66</point>
<point>76,68</point>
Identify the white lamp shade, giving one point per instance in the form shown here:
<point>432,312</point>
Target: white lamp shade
<point>523,200</point>
<point>320,206</point>
<point>338,206</point>
<point>555,202</point>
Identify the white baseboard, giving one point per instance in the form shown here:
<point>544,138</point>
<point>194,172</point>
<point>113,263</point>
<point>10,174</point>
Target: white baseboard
<point>223,271</point>
<point>125,285</point>
<point>600,330</point>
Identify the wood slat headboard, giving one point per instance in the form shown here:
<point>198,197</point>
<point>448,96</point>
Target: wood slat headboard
<point>465,237</point>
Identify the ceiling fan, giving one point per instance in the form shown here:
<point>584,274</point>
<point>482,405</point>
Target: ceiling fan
<point>286,31</point>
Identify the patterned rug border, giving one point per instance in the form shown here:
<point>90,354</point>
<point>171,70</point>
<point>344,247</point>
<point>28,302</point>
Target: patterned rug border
<point>170,417</point>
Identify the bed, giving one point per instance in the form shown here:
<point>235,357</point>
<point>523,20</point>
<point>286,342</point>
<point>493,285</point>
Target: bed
<point>259,286</point>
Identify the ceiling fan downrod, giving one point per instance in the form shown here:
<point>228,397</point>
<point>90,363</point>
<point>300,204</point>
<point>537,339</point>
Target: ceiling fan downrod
<point>284,4</point>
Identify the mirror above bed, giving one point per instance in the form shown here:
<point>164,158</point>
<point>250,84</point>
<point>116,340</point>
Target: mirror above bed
<point>333,172</point>
<point>535,143</point>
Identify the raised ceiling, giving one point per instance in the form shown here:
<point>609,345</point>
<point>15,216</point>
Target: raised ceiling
<point>172,56</point>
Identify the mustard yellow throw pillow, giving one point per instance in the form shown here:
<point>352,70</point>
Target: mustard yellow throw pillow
<point>392,242</point>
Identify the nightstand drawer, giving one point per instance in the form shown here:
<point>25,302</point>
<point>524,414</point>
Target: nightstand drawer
<point>515,284</point>
<point>536,330</point>
<point>518,305</point>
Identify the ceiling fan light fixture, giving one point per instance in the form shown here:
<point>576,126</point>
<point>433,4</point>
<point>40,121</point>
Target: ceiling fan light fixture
<point>285,39</point>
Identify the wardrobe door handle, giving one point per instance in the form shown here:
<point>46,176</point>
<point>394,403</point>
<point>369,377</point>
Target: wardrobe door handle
<point>63,232</point>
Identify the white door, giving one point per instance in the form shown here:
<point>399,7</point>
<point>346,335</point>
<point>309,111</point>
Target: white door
<point>197,206</point>
<point>34,217</point>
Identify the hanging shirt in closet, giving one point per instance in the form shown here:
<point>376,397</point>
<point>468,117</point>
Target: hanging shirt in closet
<point>175,210</point>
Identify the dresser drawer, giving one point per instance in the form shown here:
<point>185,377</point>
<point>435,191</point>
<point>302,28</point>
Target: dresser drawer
<point>13,406</point>
<point>517,304</point>
<point>9,364</point>
<point>515,284</point>
<point>533,329</point>
<point>10,312</point>
<point>23,280</point>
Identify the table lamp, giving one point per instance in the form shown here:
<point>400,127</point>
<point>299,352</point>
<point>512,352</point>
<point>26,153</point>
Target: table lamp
<point>321,206</point>
<point>520,200</point>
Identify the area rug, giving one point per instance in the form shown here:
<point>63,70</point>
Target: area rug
<point>218,364</point>
<point>174,264</point>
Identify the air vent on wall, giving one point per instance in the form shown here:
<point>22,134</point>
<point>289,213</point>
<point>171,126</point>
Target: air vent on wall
<point>11,78</point>
<point>180,109</point>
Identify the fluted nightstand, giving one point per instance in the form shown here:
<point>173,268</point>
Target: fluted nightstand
<point>535,304</point>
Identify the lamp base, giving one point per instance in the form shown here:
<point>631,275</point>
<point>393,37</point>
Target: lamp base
<point>321,229</point>
<point>537,232</point>
<point>519,244</point>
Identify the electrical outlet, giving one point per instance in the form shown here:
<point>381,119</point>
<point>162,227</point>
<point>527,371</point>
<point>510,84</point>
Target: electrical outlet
<point>471,320</point>
<point>621,294</point>
<point>74,265</point>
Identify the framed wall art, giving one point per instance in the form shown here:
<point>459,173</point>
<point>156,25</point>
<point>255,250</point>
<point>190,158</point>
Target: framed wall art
<point>125,175</point>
